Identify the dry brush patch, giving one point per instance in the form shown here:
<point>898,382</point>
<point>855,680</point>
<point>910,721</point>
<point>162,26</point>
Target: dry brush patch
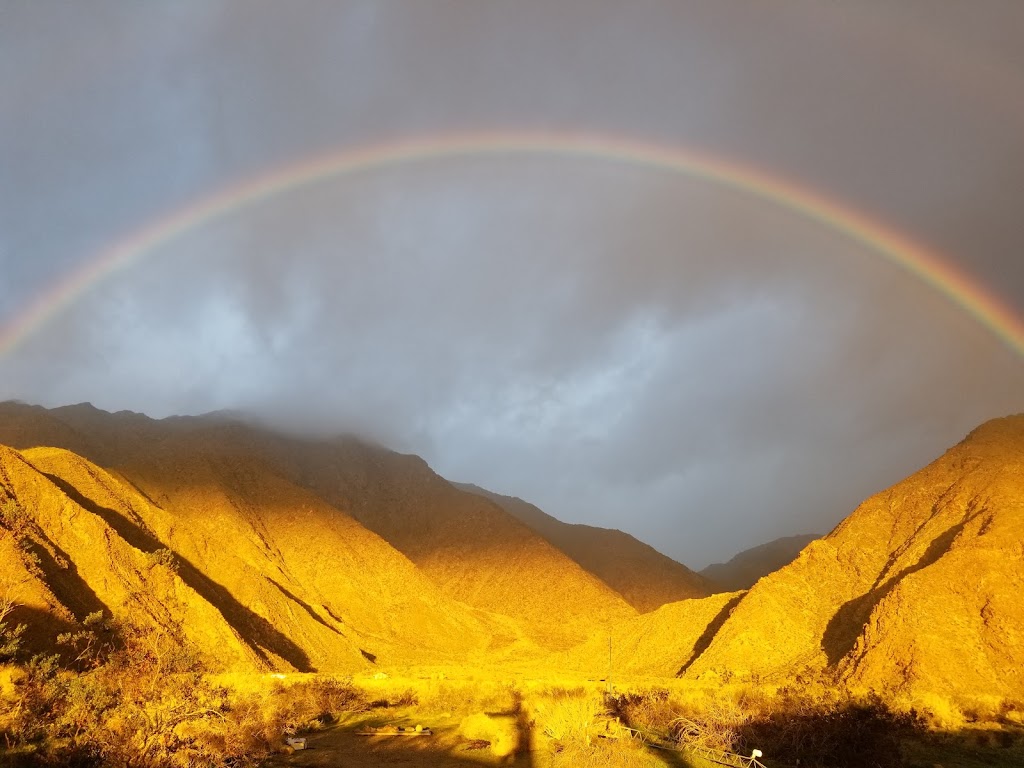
<point>571,724</point>
<point>836,732</point>
<point>140,699</point>
<point>462,697</point>
<point>566,715</point>
<point>813,724</point>
<point>144,702</point>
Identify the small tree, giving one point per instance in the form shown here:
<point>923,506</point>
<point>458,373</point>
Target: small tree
<point>162,557</point>
<point>15,518</point>
<point>10,635</point>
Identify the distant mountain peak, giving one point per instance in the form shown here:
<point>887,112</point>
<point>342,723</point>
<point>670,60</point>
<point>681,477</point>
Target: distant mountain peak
<point>646,578</point>
<point>744,569</point>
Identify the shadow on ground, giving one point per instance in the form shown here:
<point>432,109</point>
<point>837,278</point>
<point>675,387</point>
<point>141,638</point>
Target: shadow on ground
<point>342,745</point>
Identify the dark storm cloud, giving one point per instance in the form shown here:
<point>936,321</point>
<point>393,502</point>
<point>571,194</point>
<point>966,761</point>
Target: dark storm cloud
<point>623,347</point>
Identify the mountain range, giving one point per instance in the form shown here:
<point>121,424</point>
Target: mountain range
<point>280,552</point>
<point>644,577</point>
<point>744,569</point>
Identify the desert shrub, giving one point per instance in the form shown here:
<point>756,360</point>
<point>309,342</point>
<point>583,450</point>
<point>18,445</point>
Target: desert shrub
<point>715,728</point>
<point>10,634</point>
<point>144,701</point>
<point>938,712</point>
<point>29,711</point>
<point>981,708</point>
<point>816,725</point>
<point>162,557</point>
<point>391,695</point>
<point>312,703</point>
<point>15,518</point>
<point>406,698</point>
<point>837,733</point>
<point>445,697</point>
<point>90,644</point>
<point>1011,712</point>
<point>647,711</point>
<point>252,726</point>
<point>690,717</point>
<point>567,715</point>
<point>756,700</point>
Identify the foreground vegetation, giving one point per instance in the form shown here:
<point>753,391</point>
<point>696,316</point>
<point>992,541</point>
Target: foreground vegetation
<point>117,696</point>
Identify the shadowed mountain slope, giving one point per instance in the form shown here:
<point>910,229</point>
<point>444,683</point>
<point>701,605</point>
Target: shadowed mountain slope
<point>472,549</point>
<point>917,591</point>
<point>646,578</point>
<point>284,567</point>
<point>475,551</point>
<point>744,569</point>
<point>259,573</point>
<point>63,561</point>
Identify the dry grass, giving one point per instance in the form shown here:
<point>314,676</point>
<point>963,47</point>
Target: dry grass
<point>575,726</point>
<point>566,716</point>
<point>462,697</point>
<point>818,725</point>
<point>603,753</point>
<point>144,702</point>
<point>114,714</point>
<point>501,732</point>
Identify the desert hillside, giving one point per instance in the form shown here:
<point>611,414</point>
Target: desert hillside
<point>64,560</point>
<point>917,591</point>
<point>471,547</point>
<point>286,553</point>
<point>646,578</point>
<point>659,644</point>
<point>473,550</point>
<point>745,568</point>
<point>257,572</point>
<point>915,594</point>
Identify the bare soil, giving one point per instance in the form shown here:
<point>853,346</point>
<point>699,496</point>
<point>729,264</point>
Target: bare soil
<point>341,746</point>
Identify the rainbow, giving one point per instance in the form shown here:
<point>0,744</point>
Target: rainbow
<point>877,237</point>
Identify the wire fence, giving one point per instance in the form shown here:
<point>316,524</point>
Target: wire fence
<point>719,756</point>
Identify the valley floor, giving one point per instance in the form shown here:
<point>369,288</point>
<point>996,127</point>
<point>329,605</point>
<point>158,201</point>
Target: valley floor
<point>475,717</point>
<point>342,745</point>
<point>566,723</point>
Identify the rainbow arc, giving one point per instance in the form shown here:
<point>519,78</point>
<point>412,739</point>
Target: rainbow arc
<point>926,265</point>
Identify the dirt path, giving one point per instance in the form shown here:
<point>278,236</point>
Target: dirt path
<point>341,747</point>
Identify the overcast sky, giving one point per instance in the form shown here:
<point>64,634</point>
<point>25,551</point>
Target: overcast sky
<point>622,346</point>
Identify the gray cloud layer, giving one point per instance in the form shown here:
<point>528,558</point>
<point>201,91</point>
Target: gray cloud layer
<point>622,346</point>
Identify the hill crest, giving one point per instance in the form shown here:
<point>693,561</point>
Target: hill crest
<point>468,546</point>
<point>646,578</point>
<point>745,568</point>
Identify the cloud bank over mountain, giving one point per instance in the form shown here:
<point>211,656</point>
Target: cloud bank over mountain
<point>625,347</point>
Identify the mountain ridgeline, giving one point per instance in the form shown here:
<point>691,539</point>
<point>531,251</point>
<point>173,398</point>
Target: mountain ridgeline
<point>273,552</point>
<point>744,569</point>
<point>646,578</point>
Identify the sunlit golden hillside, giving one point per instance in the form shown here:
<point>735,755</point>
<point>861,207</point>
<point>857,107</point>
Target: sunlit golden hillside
<point>917,591</point>
<point>646,578</point>
<point>338,554</point>
<point>191,547</point>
